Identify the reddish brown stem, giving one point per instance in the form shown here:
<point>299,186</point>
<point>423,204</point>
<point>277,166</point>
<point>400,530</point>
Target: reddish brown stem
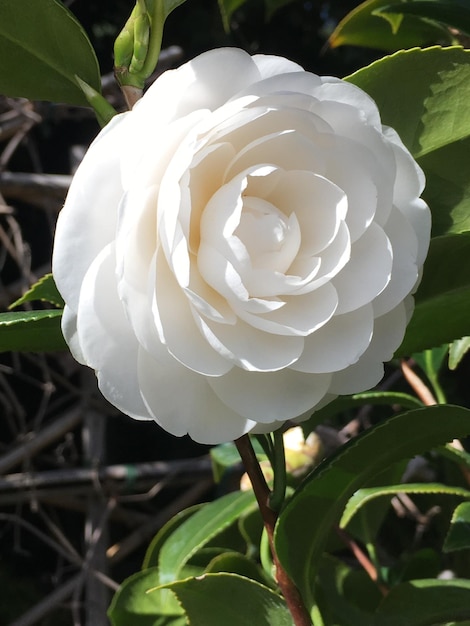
<point>289,590</point>
<point>418,386</point>
<point>362,559</point>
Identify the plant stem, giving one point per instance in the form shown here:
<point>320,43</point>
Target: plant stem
<point>262,493</point>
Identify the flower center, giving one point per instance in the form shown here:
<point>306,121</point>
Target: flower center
<point>271,238</point>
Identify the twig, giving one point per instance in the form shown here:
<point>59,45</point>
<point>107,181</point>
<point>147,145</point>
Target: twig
<point>37,442</point>
<point>186,470</point>
<point>418,386</point>
<point>362,559</point>
<point>120,550</point>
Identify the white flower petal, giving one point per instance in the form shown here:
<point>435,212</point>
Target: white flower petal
<point>367,273</point>
<point>182,402</point>
<point>107,342</point>
<point>363,375</point>
<point>69,330</point>
<point>404,269</point>
<point>180,333</point>
<point>87,223</point>
<point>273,396</point>
<point>270,65</point>
<point>318,204</point>
<point>337,344</point>
<point>250,349</point>
<point>300,316</point>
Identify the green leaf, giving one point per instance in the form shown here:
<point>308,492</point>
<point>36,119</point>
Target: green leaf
<point>31,331</point>
<point>447,187</point>
<point>229,599</point>
<point>370,26</point>
<point>133,605</point>
<point>458,537</point>
<point>457,350</point>
<point>455,13</point>
<point>425,603</point>
<point>43,47</point>
<point>442,311</point>
<point>45,290</point>
<point>363,496</point>
<point>305,523</point>
<point>198,530</point>
<point>423,94</point>
<point>153,551</point>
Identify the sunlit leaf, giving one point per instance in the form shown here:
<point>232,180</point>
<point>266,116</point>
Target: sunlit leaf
<point>44,290</point>
<point>198,530</point>
<point>458,537</point>
<point>457,350</point>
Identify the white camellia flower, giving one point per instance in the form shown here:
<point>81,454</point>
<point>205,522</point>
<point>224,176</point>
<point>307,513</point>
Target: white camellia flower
<point>241,247</point>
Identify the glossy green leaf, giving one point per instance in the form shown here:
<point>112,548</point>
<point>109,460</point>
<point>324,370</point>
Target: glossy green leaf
<point>369,26</point>
<point>45,290</point>
<point>152,554</point>
<point>457,350</point>
<point>423,95</point>
<point>458,537</point>
<point>364,496</point>
<point>229,599</point>
<point>425,603</point>
<point>305,523</point>
<point>442,311</point>
<point>455,13</point>
<point>31,331</point>
<point>447,188</point>
<point>43,47</point>
<point>133,605</point>
<point>198,530</point>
